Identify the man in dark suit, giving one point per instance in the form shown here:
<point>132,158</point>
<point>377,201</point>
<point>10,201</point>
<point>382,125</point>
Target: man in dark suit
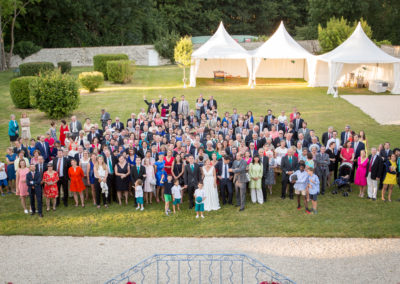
<point>327,135</point>
<point>33,181</point>
<point>61,165</point>
<point>191,177</point>
<point>277,140</point>
<point>289,165</point>
<point>117,125</point>
<point>385,154</point>
<point>79,156</point>
<point>225,179</point>
<point>138,172</point>
<point>264,160</point>
<point>212,103</point>
<point>41,166</point>
<point>43,148</point>
<point>374,173</point>
<point>269,118</point>
<point>92,134</point>
<point>297,122</point>
<point>262,124</point>
<point>152,104</point>
<point>344,136</point>
<point>74,127</point>
<point>304,142</point>
<point>19,147</point>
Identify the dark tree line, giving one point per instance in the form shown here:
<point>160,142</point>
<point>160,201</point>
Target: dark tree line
<point>68,23</point>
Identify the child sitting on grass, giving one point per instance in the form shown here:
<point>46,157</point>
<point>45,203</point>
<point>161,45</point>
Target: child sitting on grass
<point>312,188</point>
<point>3,179</point>
<point>176,195</point>
<point>199,196</point>
<point>168,193</point>
<point>300,180</point>
<point>139,194</point>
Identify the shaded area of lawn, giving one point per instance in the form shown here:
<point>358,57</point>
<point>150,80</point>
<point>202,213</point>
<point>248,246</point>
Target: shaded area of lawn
<point>337,217</point>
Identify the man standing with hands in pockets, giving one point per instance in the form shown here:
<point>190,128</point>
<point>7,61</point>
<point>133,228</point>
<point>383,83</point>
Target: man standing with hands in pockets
<point>240,180</point>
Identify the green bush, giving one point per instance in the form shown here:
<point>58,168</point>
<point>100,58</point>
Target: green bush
<point>64,66</point>
<point>166,44</point>
<point>25,48</point>
<point>56,94</point>
<point>35,68</point>
<point>19,91</point>
<point>120,71</point>
<point>100,62</point>
<point>91,80</point>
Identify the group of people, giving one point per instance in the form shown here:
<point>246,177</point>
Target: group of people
<point>170,150</point>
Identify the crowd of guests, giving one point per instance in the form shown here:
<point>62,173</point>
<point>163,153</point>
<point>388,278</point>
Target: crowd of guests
<point>170,150</point>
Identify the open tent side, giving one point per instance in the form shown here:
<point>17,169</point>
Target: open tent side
<point>282,57</point>
<point>220,53</point>
<point>357,54</point>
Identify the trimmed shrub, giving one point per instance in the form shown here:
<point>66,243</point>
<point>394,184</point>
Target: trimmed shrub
<point>91,80</point>
<point>19,91</point>
<point>120,71</point>
<point>100,62</point>
<point>24,48</point>
<point>56,94</point>
<point>64,66</point>
<point>35,68</point>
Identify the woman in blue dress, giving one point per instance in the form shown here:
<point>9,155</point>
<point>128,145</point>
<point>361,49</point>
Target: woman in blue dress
<point>161,176</point>
<point>131,158</point>
<point>31,147</point>
<point>10,157</point>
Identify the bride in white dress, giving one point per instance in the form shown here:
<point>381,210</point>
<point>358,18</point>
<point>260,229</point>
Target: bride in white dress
<point>210,187</point>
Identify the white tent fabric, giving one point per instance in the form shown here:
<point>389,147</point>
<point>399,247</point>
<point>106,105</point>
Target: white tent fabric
<point>281,56</point>
<point>220,53</point>
<point>358,50</point>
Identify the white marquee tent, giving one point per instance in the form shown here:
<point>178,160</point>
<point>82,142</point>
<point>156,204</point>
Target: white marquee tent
<point>282,57</point>
<point>220,53</point>
<point>358,52</point>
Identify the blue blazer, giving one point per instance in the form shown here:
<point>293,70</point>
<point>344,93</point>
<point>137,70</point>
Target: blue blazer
<point>13,128</point>
<point>33,181</point>
<point>45,154</point>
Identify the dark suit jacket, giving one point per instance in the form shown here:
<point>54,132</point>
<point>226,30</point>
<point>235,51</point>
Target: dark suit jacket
<point>66,165</point>
<point>265,163</point>
<point>357,151</point>
<point>271,119</point>
<point>43,169</point>
<point>91,136</point>
<point>135,175</point>
<point>218,168</point>
<point>299,126</point>
<point>214,104</point>
<point>383,154</point>
<point>376,168</point>
<point>156,104</point>
<point>121,125</point>
<point>43,152</point>
<point>263,124</point>
<point>192,178</point>
<point>277,141</point>
<point>305,143</point>
<point>342,137</point>
<point>325,138</point>
<point>33,181</point>
<point>16,151</point>
<point>286,166</point>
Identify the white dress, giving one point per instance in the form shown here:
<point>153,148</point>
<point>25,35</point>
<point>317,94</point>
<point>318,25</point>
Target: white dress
<point>210,190</point>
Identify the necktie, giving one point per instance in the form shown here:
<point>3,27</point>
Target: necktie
<point>372,162</point>
<point>192,167</point>
<point>138,169</point>
<point>110,165</point>
<point>44,148</point>
<point>255,144</point>
<point>158,146</point>
<point>290,159</point>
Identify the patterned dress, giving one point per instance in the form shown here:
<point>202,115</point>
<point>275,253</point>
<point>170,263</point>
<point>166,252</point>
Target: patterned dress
<point>50,190</point>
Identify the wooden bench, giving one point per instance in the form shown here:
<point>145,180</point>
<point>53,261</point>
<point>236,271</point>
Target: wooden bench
<point>219,75</point>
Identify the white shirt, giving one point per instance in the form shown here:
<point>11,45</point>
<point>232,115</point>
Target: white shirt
<point>302,179</point>
<point>176,191</point>
<point>201,193</point>
<point>138,191</point>
<point>3,174</point>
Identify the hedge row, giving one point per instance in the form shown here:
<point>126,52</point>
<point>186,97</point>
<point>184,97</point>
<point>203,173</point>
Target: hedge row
<point>100,62</point>
<point>19,91</point>
<point>120,71</point>
<point>35,68</point>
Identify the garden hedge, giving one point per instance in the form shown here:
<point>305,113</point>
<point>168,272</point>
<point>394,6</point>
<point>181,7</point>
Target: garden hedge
<point>91,80</point>
<point>100,61</point>
<point>64,66</point>
<point>19,91</point>
<point>120,71</point>
<point>35,68</point>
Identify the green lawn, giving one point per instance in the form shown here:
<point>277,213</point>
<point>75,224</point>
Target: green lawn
<point>337,216</point>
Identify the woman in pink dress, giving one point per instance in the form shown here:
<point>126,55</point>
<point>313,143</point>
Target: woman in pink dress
<point>361,179</point>
<point>22,187</point>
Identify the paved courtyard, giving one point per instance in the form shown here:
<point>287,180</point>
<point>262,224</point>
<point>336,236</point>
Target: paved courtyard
<point>383,108</point>
<point>43,260</point>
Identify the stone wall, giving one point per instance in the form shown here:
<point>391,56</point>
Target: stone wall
<point>83,56</point>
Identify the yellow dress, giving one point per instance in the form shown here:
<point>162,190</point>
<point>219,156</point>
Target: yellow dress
<point>390,178</point>
<point>365,144</point>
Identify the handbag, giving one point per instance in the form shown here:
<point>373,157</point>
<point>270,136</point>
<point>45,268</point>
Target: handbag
<point>247,177</point>
<point>153,182</point>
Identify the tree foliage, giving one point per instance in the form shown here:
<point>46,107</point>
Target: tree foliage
<point>183,51</point>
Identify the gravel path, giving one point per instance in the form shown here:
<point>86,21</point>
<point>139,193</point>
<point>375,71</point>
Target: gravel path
<point>97,259</point>
<point>383,108</point>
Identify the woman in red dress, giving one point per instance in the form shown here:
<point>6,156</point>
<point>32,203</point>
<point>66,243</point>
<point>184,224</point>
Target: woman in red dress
<point>76,176</point>
<point>168,162</point>
<point>347,153</point>
<point>63,129</point>
<point>50,178</point>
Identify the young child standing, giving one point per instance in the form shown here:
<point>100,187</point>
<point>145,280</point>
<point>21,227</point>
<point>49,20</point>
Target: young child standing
<point>300,180</point>
<point>168,193</point>
<point>199,196</point>
<point>313,188</point>
<point>139,194</point>
<point>176,195</point>
<point>3,179</point>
